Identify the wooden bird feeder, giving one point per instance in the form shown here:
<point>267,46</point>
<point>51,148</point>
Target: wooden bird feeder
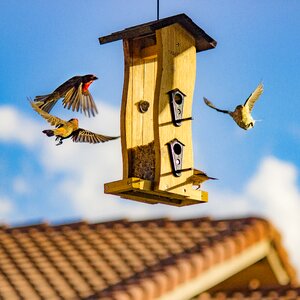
<point>156,112</point>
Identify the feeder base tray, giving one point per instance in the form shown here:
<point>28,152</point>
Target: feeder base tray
<point>141,190</point>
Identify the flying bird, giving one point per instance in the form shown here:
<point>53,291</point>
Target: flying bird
<point>242,113</point>
<point>199,177</point>
<point>75,94</point>
<point>69,129</point>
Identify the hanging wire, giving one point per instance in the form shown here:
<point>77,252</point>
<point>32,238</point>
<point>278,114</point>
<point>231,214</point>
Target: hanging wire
<point>157,9</point>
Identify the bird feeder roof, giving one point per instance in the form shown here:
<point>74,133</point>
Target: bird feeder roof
<point>203,40</point>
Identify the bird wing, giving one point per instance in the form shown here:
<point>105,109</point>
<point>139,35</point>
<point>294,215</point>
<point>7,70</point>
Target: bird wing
<point>77,100</point>
<point>46,102</point>
<point>254,96</point>
<point>73,97</point>
<point>207,102</point>
<point>84,136</point>
<point>54,121</point>
<point>201,173</point>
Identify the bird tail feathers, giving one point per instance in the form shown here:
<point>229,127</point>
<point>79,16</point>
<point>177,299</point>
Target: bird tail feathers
<point>48,132</point>
<point>44,102</point>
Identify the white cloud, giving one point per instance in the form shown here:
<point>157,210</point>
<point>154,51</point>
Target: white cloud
<point>20,185</point>
<point>16,127</point>
<point>275,189</point>
<point>6,207</point>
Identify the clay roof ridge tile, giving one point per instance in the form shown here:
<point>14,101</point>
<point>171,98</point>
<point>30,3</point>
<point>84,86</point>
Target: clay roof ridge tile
<point>4,226</point>
<point>27,227</point>
<point>158,222</point>
<point>44,223</point>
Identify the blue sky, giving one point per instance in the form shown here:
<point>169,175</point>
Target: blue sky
<point>43,43</point>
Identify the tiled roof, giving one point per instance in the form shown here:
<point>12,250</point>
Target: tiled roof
<point>275,293</point>
<point>122,259</point>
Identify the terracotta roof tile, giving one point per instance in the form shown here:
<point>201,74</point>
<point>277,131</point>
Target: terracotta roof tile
<point>121,259</point>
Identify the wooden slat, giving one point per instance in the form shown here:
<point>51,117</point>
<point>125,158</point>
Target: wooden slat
<point>139,84</point>
<point>136,93</point>
<point>125,135</point>
<point>128,184</point>
<point>149,67</point>
<point>176,69</point>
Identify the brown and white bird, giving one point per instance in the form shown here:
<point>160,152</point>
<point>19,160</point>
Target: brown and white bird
<point>199,177</point>
<point>69,129</point>
<point>242,113</point>
<point>75,94</point>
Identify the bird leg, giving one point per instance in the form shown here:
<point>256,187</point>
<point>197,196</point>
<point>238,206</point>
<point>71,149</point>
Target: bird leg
<point>59,139</point>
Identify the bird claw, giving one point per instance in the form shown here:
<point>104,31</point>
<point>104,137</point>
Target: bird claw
<point>59,139</point>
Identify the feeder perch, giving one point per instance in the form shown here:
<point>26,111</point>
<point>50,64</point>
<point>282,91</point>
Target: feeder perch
<point>156,111</point>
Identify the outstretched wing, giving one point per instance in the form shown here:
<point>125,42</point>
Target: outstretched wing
<point>84,136</point>
<point>81,101</point>
<point>207,102</point>
<point>47,102</point>
<point>254,96</point>
<point>54,121</point>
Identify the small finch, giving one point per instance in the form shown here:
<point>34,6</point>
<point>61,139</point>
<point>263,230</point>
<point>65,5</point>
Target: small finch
<point>69,129</point>
<point>75,95</point>
<point>242,113</point>
<point>199,177</point>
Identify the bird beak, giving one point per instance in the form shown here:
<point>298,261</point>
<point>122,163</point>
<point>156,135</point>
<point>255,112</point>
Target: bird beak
<point>95,78</point>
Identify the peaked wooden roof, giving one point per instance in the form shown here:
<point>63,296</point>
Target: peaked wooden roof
<point>203,40</point>
<point>127,260</point>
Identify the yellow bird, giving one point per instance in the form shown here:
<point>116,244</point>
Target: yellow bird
<point>242,113</point>
<point>199,177</point>
<point>69,129</point>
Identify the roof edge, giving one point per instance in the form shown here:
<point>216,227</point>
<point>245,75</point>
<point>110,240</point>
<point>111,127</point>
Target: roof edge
<point>203,40</point>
